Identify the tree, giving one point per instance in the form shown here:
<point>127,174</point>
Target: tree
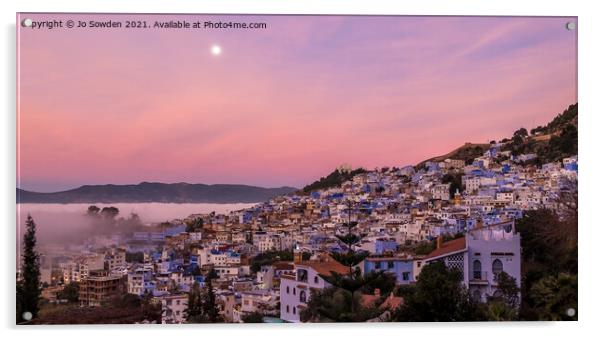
<point>425,247</point>
<point>351,282</point>
<point>334,179</point>
<point>554,296</point>
<point>334,304</point>
<point>438,295</point>
<point>510,292</point>
<point>194,311</point>
<point>522,133</point>
<point>93,210</point>
<point>253,317</point>
<point>342,302</point>
<point>28,288</point>
<point>151,311</point>
<point>455,182</point>
<point>504,307</point>
<point>269,257</point>
<point>385,282</point>
<point>132,223</point>
<point>549,244</point>
<point>202,305</point>
<point>109,212</point>
<point>209,304</point>
<point>70,292</point>
<point>194,225</point>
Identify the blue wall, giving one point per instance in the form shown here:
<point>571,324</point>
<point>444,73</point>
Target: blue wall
<point>398,268</point>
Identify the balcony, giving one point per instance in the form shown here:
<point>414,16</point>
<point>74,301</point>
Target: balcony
<point>479,277</point>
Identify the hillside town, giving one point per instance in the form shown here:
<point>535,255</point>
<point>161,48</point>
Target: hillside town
<point>268,260</point>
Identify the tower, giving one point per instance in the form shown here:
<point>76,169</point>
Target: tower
<point>457,198</point>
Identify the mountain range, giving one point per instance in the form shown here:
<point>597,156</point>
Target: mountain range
<point>156,192</point>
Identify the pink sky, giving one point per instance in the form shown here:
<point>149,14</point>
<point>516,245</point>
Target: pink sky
<point>283,105</point>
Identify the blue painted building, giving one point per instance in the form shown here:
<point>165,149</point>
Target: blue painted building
<point>383,245</point>
<point>402,268</point>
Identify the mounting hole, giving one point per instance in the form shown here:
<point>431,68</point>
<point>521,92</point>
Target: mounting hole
<point>27,315</point>
<point>570,26</point>
<point>26,23</point>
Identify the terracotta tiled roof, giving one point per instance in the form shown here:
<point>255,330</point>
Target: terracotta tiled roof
<point>325,267</point>
<point>391,302</point>
<point>392,258</point>
<point>448,247</point>
<point>283,265</point>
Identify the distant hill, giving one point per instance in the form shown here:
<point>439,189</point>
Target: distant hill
<point>156,192</point>
<point>560,122</point>
<point>334,179</point>
<point>466,152</point>
<point>552,142</point>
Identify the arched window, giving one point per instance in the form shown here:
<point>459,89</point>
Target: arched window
<point>476,269</point>
<point>287,309</point>
<point>476,295</point>
<point>294,291</point>
<point>497,266</point>
<point>302,297</point>
<point>316,280</point>
<point>302,275</point>
<point>288,289</point>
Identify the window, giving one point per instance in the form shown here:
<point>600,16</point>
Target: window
<point>294,291</point>
<point>288,309</point>
<point>316,280</point>
<point>288,289</point>
<point>418,264</point>
<point>476,269</point>
<point>497,266</point>
<point>302,275</point>
<point>390,265</point>
<point>294,310</point>
<point>405,276</point>
<point>377,265</point>
<point>302,297</point>
<point>476,295</point>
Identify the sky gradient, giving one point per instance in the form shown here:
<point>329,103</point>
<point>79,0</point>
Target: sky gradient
<point>279,106</point>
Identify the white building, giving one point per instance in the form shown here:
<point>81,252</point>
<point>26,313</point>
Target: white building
<point>115,258</point>
<point>138,279</point>
<point>174,309</point>
<point>481,255</point>
<point>441,192</point>
<point>295,287</point>
<point>263,301</point>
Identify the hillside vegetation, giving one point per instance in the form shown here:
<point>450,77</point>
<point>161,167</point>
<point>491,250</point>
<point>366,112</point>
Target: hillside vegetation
<point>551,143</point>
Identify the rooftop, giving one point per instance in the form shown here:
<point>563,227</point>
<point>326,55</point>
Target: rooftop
<point>447,248</point>
<point>325,267</point>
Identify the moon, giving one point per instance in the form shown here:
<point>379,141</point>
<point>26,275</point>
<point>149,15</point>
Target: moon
<point>216,50</point>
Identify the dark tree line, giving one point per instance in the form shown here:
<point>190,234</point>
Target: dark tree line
<point>334,179</point>
<point>549,244</point>
<point>202,304</point>
<point>28,286</point>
